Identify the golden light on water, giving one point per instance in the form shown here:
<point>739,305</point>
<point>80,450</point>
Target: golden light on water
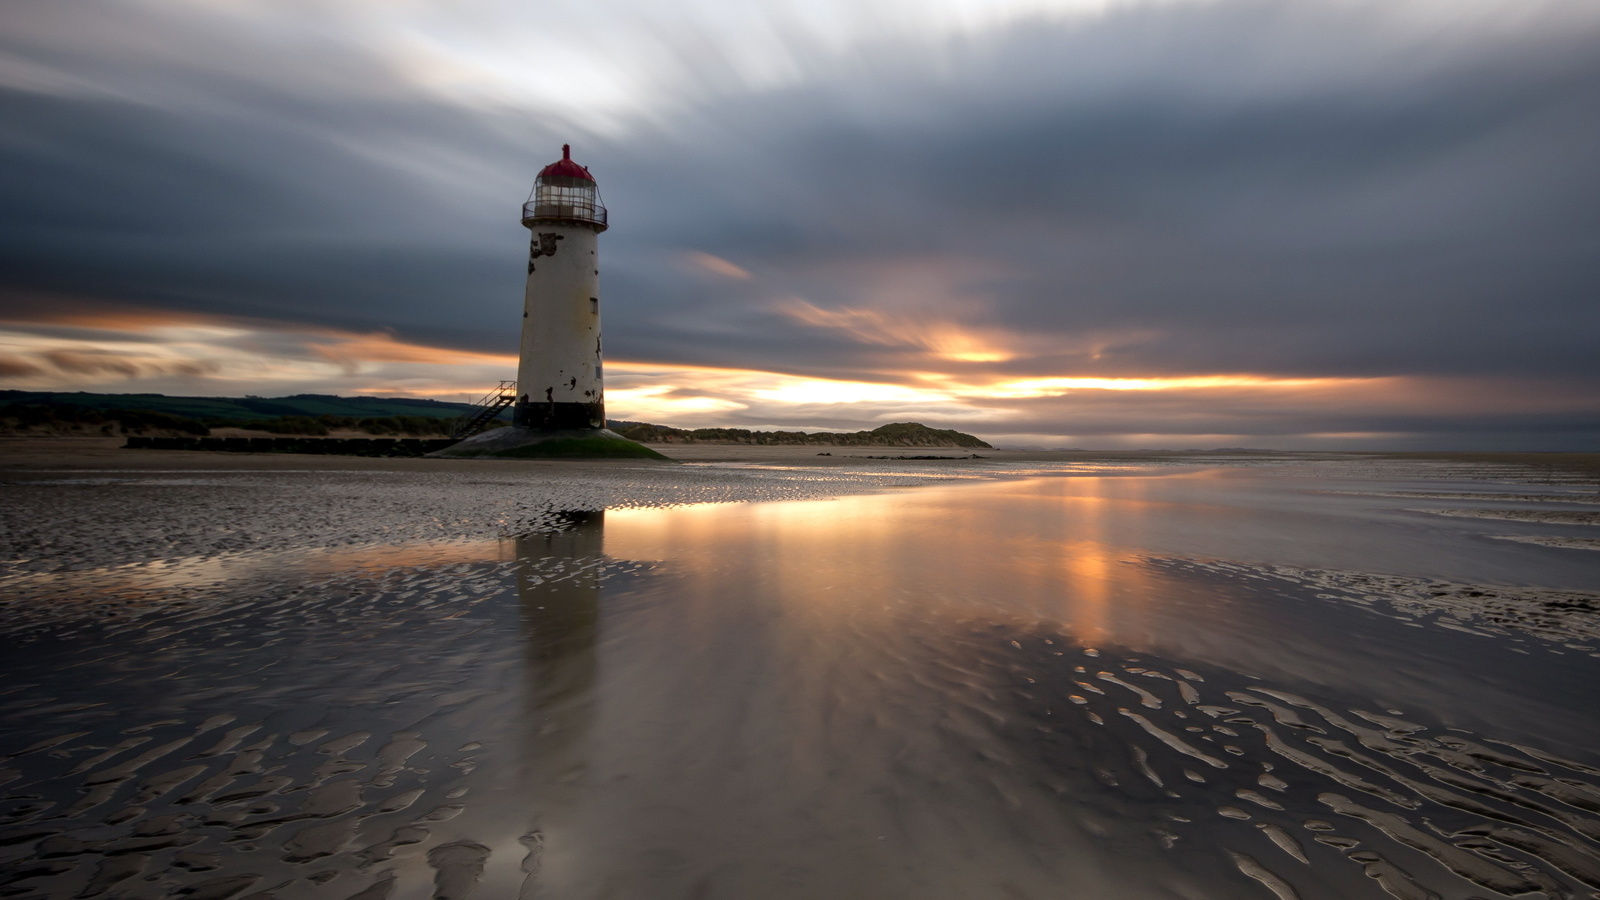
<point>1085,566</point>
<point>820,558</point>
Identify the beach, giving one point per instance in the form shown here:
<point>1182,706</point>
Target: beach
<point>765,672</point>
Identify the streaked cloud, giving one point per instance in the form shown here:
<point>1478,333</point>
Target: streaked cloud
<point>941,339</point>
<point>716,265</point>
<point>219,356</point>
<point>216,356</point>
<point>1056,387</point>
<point>1094,220</point>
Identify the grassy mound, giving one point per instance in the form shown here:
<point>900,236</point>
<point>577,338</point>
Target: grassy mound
<point>578,448</point>
<point>897,434</point>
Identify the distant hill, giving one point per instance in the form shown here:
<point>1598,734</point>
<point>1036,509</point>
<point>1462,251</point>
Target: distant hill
<point>898,434</point>
<point>83,412</point>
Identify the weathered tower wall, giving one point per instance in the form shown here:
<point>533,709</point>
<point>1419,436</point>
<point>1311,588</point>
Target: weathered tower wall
<point>559,377</point>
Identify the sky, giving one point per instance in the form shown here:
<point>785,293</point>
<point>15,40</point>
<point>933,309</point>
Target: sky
<point>1314,224</point>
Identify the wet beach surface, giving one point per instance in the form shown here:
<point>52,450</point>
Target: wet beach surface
<point>1313,677</point>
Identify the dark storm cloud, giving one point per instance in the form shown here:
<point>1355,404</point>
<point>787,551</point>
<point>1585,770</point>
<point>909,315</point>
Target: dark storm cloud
<point>1442,220</point>
<point>229,174</point>
<point>239,214</point>
<point>1234,187</point>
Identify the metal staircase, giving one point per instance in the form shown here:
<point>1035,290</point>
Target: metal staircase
<point>475,420</point>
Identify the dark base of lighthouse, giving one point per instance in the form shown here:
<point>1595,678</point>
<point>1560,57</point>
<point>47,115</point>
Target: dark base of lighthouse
<point>527,414</point>
<point>517,442</point>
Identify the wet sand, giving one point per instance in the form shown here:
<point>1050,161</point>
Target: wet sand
<point>1551,516</point>
<point>762,673</point>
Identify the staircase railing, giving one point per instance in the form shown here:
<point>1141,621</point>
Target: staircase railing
<point>476,419</point>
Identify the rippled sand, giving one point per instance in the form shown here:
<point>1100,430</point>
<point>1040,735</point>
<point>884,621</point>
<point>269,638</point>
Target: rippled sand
<point>1009,678</point>
<point>1545,540</point>
<point>1552,516</point>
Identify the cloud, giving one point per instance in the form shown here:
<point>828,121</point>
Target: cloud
<point>14,367</point>
<point>221,356</point>
<point>124,365</point>
<point>716,265</point>
<point>1025,194</point>
<point>941,339</point>
<point>218,355</point>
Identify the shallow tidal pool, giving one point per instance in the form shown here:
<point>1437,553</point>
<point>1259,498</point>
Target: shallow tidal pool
<point>1130,683</point>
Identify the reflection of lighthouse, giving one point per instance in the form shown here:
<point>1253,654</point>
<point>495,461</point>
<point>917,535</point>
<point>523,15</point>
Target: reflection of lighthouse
<point>560,615</point>
<point>558,379</point>
<point>560,623</point>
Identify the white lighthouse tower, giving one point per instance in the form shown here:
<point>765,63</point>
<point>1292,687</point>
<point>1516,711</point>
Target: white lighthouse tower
<point>560,407</point>
<point>559,376</point>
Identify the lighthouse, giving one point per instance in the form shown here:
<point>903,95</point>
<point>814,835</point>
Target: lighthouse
<point>559,373</point>
<point>559,408</point>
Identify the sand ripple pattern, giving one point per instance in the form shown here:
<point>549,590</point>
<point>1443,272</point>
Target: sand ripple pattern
<point>1566,619</point>
<point>308,730</point>
<point>268,763</point>
<point>1547,540</point>
<point>1574,497</point>
<point>52,524</point>
<point>1548,516</point>
<point>1581,518</point>
<point>1237,781</point>
<point>1312,800</point>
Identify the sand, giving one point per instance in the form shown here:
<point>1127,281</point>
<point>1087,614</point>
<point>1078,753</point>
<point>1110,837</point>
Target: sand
<point>26,452</point>
<point>1542,540</point>
<point>252,675</point>
<point>85,453</point>
<point>1548,516</point>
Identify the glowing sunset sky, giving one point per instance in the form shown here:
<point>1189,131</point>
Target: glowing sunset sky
<point>1295,224</point>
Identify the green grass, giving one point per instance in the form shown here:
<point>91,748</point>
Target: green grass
<point>578,448</point>
<point>897,434</point>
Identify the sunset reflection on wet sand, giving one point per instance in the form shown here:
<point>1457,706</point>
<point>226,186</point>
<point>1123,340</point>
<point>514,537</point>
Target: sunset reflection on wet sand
<point>1125,683</point>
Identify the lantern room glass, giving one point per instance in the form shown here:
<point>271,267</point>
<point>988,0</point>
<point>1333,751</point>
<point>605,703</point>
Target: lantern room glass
<point>565,197</point>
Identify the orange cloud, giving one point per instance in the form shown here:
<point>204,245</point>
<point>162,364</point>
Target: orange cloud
<point>78,312</point>
<point>213,355</point>
<point>88,350</point>
<point>15,367</point>
<point>126,365</point>
<point>943,339</point>
<point>349,351</point>
<point>1055,387</point>
<point>716,265</point>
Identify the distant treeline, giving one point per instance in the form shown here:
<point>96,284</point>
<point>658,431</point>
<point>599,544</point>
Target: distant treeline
<point>109,414</point>
<point>206,409</point>
<point>68,418</point>
<point>416,426</point>
<point>77,419</point>
<point>392,447</point>
<point>898,434</point>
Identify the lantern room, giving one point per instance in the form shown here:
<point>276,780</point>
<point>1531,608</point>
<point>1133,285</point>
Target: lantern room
<point>565,192</point>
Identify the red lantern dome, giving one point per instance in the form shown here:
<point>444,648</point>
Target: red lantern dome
<point>565,192</point>
<point>565,167</point>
